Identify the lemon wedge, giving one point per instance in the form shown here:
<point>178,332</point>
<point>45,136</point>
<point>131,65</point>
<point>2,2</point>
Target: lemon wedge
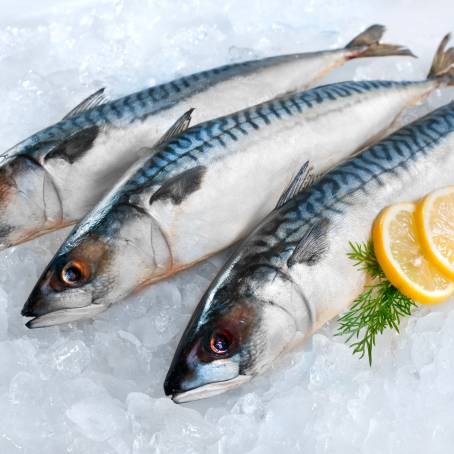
<point>401,257</point>
<point>434,218</point>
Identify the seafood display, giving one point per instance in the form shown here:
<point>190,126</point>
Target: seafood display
<point>274,291</point>
<point>310,184</point>
<point>206,188</point>
<point>52,179</point>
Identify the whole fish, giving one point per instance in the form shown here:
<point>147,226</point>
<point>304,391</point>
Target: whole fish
<point>206,189</point>
<point>54,177</point>
<point>292,274</point>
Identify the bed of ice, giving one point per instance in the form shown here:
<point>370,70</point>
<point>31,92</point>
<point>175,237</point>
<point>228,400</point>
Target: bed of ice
<point>95,387</point>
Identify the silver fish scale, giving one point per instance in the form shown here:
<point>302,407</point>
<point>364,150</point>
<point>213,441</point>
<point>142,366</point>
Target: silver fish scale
<point>208,141</point>
<point>138,106</point>
<point>277,236</point>
<point>204,142</point>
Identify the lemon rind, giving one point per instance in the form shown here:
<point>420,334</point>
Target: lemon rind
<point>429,248</point>
<point>392,270</point>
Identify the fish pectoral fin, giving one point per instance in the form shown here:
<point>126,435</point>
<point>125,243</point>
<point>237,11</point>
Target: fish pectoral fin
<point>312,246</point>
<point>75,146</point>
<point>177,128</point>
<point>302,180</point>
<point>179,187</point>
<point>96,99</point>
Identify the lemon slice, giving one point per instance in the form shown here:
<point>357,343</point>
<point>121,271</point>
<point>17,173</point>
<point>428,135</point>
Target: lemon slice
<point>434,218</point>
<point>401,258</point>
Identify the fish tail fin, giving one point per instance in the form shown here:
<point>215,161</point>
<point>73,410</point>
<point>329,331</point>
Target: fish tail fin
<point>443,62</point>
<point>367,44</point>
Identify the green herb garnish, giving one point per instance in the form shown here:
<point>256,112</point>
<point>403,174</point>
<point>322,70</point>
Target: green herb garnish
<point>380,306</point>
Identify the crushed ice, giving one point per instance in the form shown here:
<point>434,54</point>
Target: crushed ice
<point>96,387</point>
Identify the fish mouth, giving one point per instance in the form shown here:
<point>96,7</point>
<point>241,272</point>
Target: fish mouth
<point>209,390</point>
<point>61,316</point>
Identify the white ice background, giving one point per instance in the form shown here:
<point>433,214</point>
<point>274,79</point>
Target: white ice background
<point>95,387</point>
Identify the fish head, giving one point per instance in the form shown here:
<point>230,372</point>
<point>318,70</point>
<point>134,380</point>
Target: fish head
<point>29,200</point>
<point>67,289</point>
<point>212,355</point>
<point>96,266</point>
<point>233,335</point>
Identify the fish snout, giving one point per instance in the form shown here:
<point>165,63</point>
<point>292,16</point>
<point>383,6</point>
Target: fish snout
<point>169,387</point>
<point>178,374</point>
<point>48,307</point>
<point>184,385</point>
<point>182,373</point>
<point>38,302</point>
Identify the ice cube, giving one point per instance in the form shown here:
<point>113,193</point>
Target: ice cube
<point>98,418</point>
<point>71,357</point>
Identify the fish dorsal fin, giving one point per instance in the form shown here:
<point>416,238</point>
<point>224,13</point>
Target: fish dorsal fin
<point>177,128</point>
<point>75,146</point>
<point>177,188</point>
<point>303,179</point>
<point>96,99</point>
<point>312,245</point>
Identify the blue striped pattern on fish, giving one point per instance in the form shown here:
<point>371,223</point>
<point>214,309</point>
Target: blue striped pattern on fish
<point>336,191</point>
<point>207,188</point>
<point>195,145</point>
<point>137,106</point>
<point>207,141</point>
<point>97,141</point>
<point>292,274</point>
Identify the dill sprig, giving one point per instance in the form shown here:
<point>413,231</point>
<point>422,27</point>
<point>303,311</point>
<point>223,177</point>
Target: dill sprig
<point>380,306</point>
<point>363,256</point>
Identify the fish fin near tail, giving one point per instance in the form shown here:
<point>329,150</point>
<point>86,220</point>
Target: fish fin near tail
<point>443,62</point>
<point>302,180</point>
<point>368,44</point>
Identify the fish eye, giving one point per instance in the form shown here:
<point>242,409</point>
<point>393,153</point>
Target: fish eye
<point>73,273</point>
<point>220,342</point>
